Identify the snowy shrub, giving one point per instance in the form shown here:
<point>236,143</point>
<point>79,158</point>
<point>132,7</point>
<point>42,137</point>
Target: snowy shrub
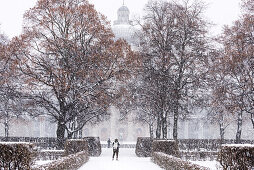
<point>169,147</point>
<point>73,146</point>
<point>199,144</point>
<point>170,162</point>
<point>199,155</point>
<point>143,146</point>
<point>237,156</point>
<point>94,146</point>
<point>70,162</point>
<point>206,144</point>
<point>40,142</point>
<point>16,155</point>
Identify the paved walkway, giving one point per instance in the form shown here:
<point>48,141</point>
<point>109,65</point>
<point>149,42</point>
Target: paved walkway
<point>127,161</point>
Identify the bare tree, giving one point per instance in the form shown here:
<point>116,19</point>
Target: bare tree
<point>67,57</point>
<point>143,103</point>
<point>174,42</point>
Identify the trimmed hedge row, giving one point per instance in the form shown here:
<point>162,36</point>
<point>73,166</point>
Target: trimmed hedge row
<point>73,161</point>
<point>90,144</point>
<point>73,146</point>
<point>144,147</point>
<point>199,155</point>
<point>40,142</point>
<point>206,144</point>
<point>237,156</point>
<point>184,144</point>
<point>169,147</point>
<point>169,162</point>
<point>16,155</point>
<point>94,146</point>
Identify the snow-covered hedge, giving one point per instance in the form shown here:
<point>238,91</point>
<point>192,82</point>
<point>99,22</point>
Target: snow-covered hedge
<point>90,144</point>
<point>169,147</point>
<point>39,142</point>
<point>199,155</point>
<point>70,162</point>
<point>16,155</point>
<point>94,146</point>
<point>206,144</point>
<point>237,156</point>
<point>73,146</point>
<point>50,154</point>
<point>199,144</point>
<point>170,162</point>
<point>143,147</point>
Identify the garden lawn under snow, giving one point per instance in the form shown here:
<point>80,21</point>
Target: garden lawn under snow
<point>127,161</point>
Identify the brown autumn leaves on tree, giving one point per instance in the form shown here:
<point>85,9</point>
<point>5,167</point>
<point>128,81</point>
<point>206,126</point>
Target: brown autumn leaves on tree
<point>68,59</point>
<point>233,69</point>
<point>10,101</point>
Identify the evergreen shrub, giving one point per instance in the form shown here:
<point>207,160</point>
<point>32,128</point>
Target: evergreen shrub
<point>70,162</point>
<point>94,146</point>
<point>144,147</point>
<point>16,155</point>
<point>237,156</point>
<point>73,146</point>
<point>169,147</point>
<point>170,162</point>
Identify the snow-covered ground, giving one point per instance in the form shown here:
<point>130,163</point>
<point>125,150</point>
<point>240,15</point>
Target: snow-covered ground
<point>213,165</point>
<point>42,162</point>
<point>127,161</point>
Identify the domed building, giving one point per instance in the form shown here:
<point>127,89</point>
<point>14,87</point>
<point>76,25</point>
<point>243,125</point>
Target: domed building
<point>123,14</point>
<point>123,27</point>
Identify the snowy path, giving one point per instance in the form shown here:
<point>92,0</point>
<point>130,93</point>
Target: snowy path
<point>127,161</point>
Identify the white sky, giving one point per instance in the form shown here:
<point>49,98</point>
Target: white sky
<point>220,12</point>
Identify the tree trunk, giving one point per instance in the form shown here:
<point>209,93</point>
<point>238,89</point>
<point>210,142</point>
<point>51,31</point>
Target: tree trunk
<point>222,132</point>
<point>164,128</point>
<point>158,130</point>
<point>151,130</point>
<point>239,127</point>
<point>60,135</point>
<point>6,129</point>
<point>6,122</point>
<point>176,115</point>
<point>252,119</point>
<point>70,134</point>
<point>222,128</point>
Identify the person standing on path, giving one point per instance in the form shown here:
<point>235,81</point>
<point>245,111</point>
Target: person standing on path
<point>109,142</point>
<point>115,145</point>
